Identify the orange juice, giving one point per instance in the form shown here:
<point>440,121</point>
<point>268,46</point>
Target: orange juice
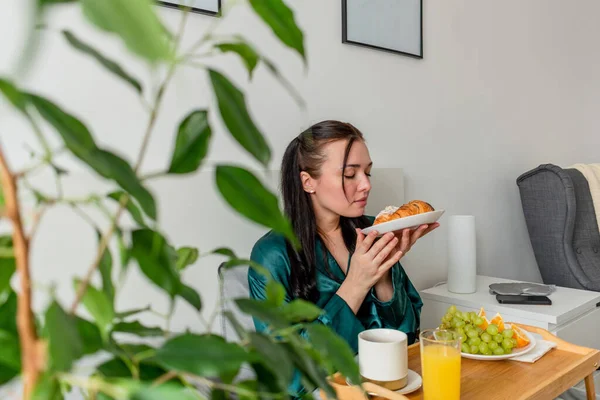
<point>441,372</point>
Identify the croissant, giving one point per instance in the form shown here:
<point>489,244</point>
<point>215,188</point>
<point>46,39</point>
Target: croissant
<point>411,208</point>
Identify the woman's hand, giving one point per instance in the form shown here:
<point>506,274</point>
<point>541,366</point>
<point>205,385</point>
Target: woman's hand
<point>407,237</point>
<point>371,260</point>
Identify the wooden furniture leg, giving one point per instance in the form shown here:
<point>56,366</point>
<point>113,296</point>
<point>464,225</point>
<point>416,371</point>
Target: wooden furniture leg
<point>589,387</point>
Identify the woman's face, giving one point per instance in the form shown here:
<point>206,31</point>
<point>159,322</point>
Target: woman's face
<point>329,195</point>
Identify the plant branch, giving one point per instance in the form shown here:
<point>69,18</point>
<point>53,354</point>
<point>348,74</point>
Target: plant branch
<point>167,376</point>
<point>124,199</point>
<point>30,356</point>
<point>37,217</point>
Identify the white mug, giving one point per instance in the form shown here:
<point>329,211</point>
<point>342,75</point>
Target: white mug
<point>383,357</point>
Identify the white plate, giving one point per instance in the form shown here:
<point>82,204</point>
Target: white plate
<point>411,221</point>
<point>414,382</point>
<point>515,353</point>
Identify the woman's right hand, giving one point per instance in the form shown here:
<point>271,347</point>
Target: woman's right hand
<point>368,264</point>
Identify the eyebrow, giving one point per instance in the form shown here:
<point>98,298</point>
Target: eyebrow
<point>357,165</point>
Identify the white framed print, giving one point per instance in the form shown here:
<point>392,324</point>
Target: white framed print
<point>389,25</point>
<point>209,7</point>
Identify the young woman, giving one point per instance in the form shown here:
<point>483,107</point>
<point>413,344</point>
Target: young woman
<point>357,280</point>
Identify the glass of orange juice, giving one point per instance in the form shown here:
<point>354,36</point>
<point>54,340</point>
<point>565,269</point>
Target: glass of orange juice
<point>440,365</point>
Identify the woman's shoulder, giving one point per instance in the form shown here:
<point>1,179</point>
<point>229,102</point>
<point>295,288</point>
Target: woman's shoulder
<point>270,251</point>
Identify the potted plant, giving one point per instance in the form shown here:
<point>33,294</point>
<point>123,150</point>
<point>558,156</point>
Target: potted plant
<point>42,351</point>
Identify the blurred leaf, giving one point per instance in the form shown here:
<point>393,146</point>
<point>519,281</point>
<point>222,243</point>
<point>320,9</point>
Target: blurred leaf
<point>7,269</point>
<point>105,62</point>
<point>137,328</point>
<point>99,306</point>
<point>7,373</point>
<point>65,345</point>
<point>10,356</point>
<point>191,145</point>
<point>124,251</point>
<point>237,262</point>
<point>133,209</point>
<point>191,296</point>
<point>273,357</point>
<point>335,350</point>
<point>90,336</point>
<point>247,195</point>
<point>266,380</point>
<point>234,113</point>
<point>301,310</point>
<point>252,387</point>
<point>47,388</point>
<point>105,267</point>
<point>8,313</point>
<point>116,368</point>
<point>224,251</point>
<point>275,293</point>
<point>164,392</point>
<point>309,368</point>
<point>80,142</point>
<point>280,18</point>
<point>13,95</point>
<point>186,256</point>
<point>263,311</point>
<point>51,2</point>
<point>135,22</point>
<point>205,355</point>
<point>125,314</point>
<point>152,253</point>
<point>244,50</point>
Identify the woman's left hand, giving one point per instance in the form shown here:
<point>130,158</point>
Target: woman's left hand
<point>408,237</point>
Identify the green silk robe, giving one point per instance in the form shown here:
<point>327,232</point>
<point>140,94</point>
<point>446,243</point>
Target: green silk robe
<point>402,312</point>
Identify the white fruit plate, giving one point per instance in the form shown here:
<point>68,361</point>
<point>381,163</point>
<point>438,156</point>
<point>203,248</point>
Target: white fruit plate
<point>515,352</point>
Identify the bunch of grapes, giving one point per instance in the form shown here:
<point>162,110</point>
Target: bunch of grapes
<point>475,340</point>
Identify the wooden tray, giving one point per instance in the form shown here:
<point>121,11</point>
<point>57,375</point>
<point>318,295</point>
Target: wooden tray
<point>557,371</point>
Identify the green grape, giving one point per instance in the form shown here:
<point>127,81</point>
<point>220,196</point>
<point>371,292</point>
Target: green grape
<point>486,337</point>
<point>493,345</point>
<point>498,338</point>
<point>488,352</point>
<point>478,321</point>
<point>447,318</point>
<point>498,351</point>
<point>474,341</point>
<point>472,333</point>
<point>444,326</point>
<point>507,345</point>
<point>508,333</point>
<point>451,309</point>
<point>462,337</point>
<point>460,324</point>
<point>492,329</point>
<point>472,316</point>
<point>455,322</point>
<point>514,342</point>
<point>479,330</point>
<point>483,347</point>
<point>461,330</point>
<point>474,349</point>
<point>465,348</point>
<point>468,327</point>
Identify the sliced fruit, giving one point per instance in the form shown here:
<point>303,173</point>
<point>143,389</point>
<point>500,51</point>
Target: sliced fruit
<point>498,321</point>
<point>520,336</point>
<point>481,312</point>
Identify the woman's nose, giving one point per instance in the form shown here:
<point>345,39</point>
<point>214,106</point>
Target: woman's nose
<point>365,184</point>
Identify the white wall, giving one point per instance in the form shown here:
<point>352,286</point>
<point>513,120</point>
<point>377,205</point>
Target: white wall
<point>504,87</point>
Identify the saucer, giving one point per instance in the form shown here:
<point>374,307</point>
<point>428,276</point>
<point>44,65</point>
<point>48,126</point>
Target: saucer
<point>414,382</point>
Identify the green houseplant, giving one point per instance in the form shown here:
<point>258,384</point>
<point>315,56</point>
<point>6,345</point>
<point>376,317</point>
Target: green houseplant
<point>43,351</point>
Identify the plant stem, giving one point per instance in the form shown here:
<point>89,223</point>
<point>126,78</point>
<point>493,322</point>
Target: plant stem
<point>124,199</point>
<point>167,376</point>
<point>95,385</point>
<point>30,357</point>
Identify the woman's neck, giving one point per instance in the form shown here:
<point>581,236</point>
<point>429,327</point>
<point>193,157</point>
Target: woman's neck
<point>328,225</point>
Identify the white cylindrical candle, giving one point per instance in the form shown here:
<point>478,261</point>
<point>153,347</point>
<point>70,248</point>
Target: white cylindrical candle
<point>462,255</point>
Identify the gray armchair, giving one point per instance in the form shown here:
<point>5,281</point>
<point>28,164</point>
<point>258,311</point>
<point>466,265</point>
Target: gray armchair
<point>562,226</point>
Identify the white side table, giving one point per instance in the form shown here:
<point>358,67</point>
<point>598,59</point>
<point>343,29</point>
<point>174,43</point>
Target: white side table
<point>573,316</point>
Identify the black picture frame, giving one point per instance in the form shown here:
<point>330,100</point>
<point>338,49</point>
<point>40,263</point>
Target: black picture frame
<point>193,9</point>
<point>345,39</point>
